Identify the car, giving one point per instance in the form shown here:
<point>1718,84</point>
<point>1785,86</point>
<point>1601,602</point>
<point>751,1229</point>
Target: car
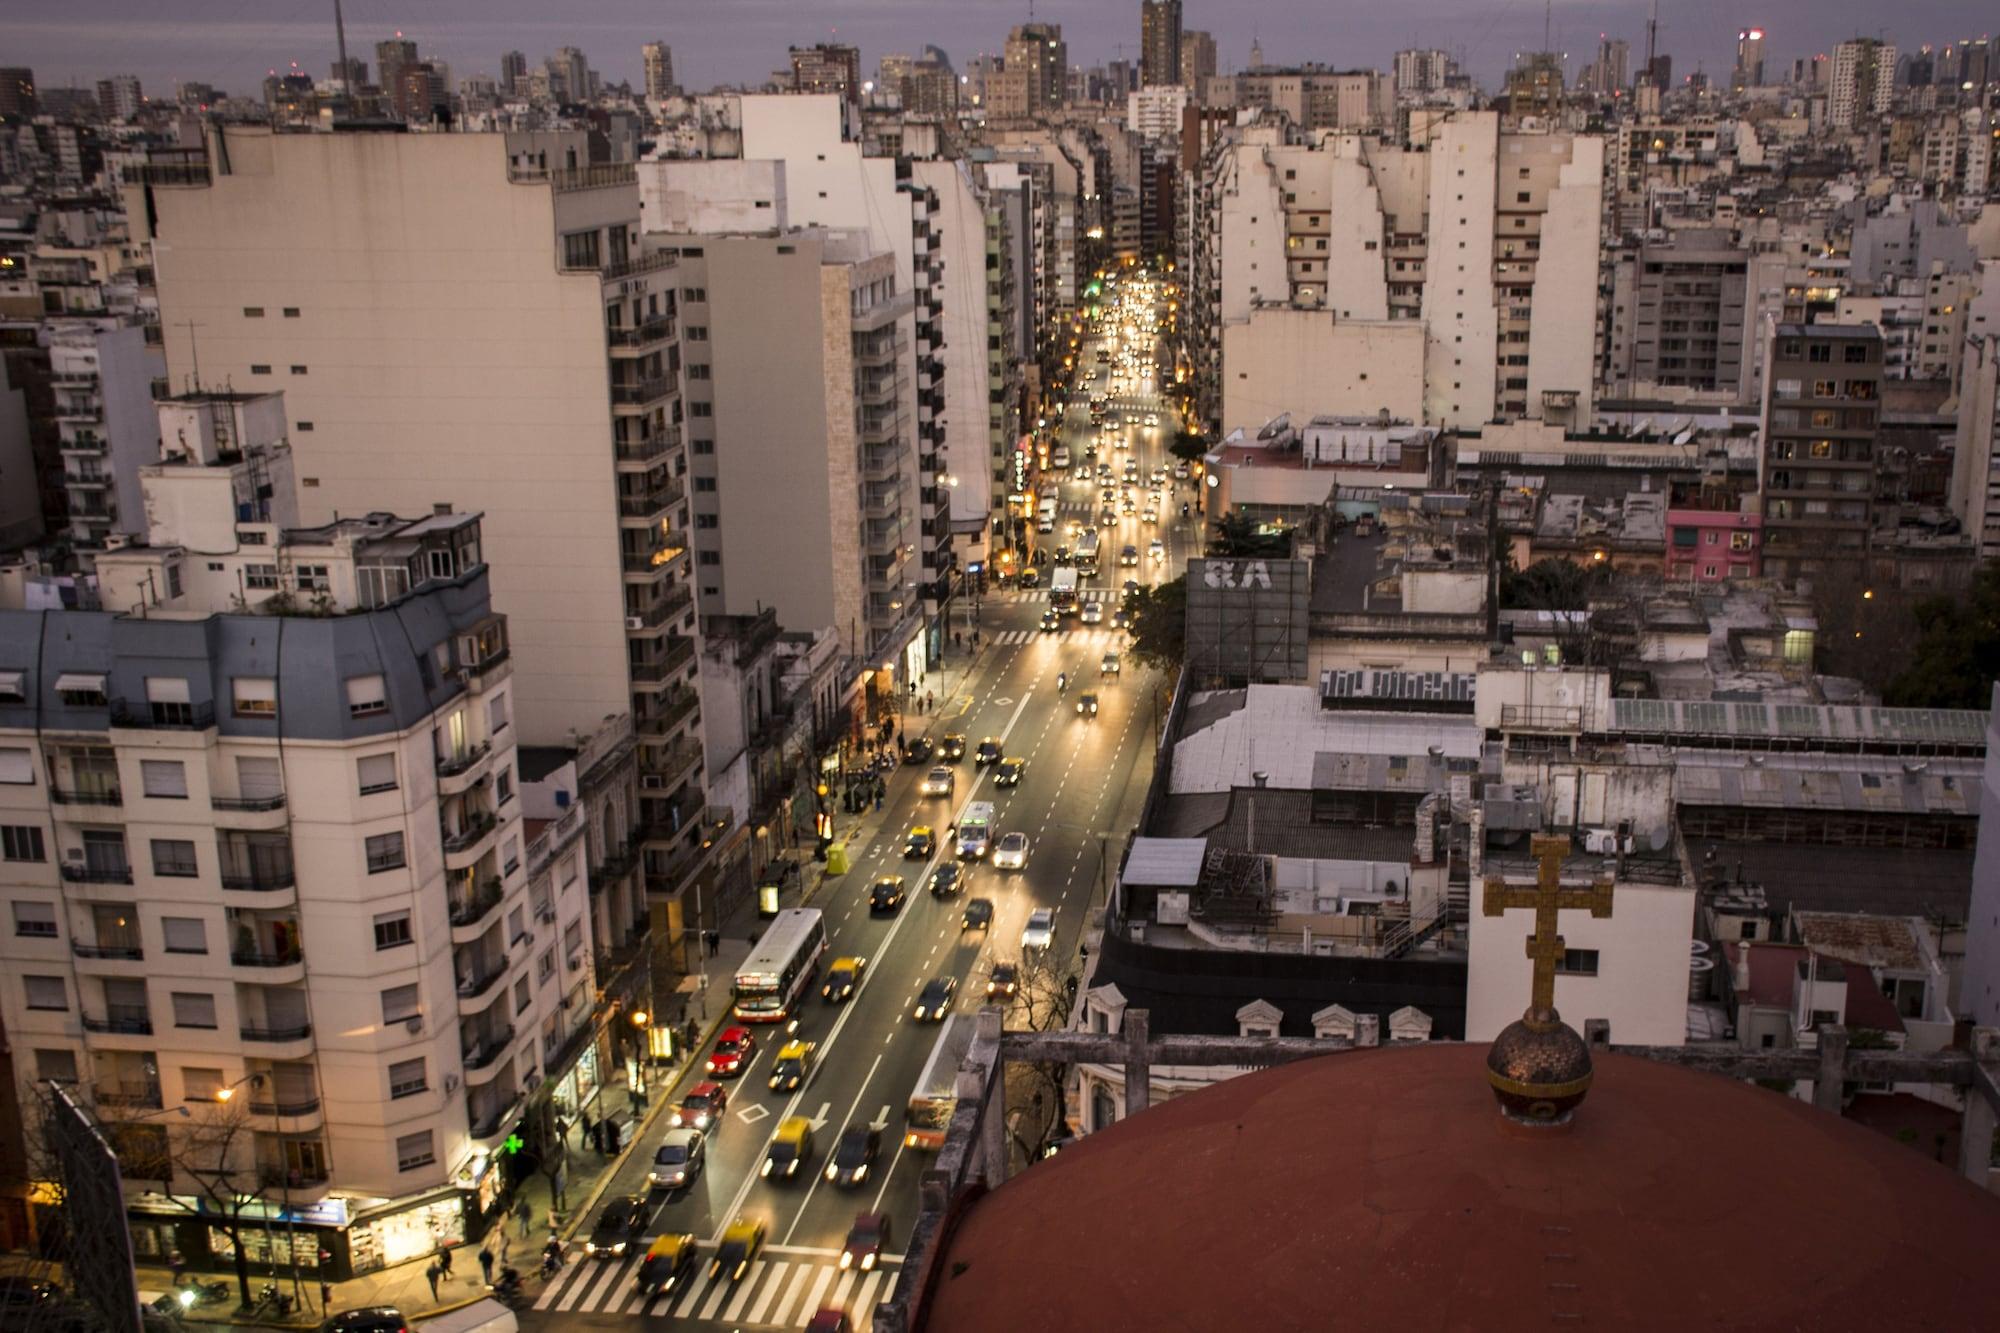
<point>741,1241</point>
<point>618,1227</point>
<point>1051,622</point>
<point>978,914</point>
<point>1150,515</point>
<point>702,1107</point>
<point>367,1319</point>
<point>1065,556</point>
<point>1008,773</point>
<point>920,844</point>
<point>792,1067</point>
<point>989,752</point>
<point>1131,588</point>
<point>1093,614</point>
<point>732,1052</point>
<point>832,1319</point>
<point>1107,517</point>
<point>1121,619</point>
<point>1086,706</point>
<point>670,1261</point>
<point>1109,666</point>
<point>1003,979</point>
<point>1126,506</point>
<point>1046,523</point>
<point>866,1240</point>
<point>854,1155</point>
<point>885,894</point>
<point>919,751</point>
<point>791,1150</point>
<point>938,782</point>
<point>1156,550</point>
<point>1181,472</point>
<point>1152,418</point>
<point>1128,555</point>
<point>1031,578</point>
<point>1040,932</point>
<point>842,979</point>
<point>947,879</point>
<point>1011,853</point>
<point>934,1000</point>
<point>678,1160</point>
<point>952,747</point>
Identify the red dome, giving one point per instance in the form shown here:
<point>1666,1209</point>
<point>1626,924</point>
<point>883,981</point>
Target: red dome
<point>1382,1190</point>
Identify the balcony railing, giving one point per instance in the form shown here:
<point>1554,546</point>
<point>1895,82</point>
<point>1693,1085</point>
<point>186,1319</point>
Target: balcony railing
<point>653,561</point>
<point>109,796</point>
<point>263,879</point>
<point>291,1177</point>
<point>483,899</point>
<point>129,1099</point>
<point>489,1124</point>
<point>306,1107</point>
<point>124,953</point>
<point>166,717</point>
<point>645,391</point>
<point>479,983</point>
<point>601,176</point>
<point>450,766</point>
<point>77,874</point>
<point>473,830</point>
<point>194,171</point>
<point>643,451</point>
<point>652,331</point>
<point>651,502</point>
<point>489,1050</point>
<point>298,1033</point>
<point>650,263</point>
<point>125,1025</point>
<point>249,803</point>
<point>266,957</point>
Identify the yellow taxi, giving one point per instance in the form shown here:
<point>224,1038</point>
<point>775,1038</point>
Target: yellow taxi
<point>740,1244</point>
<point>668,1265</point>
<point>842,978</point>
<point>793,1064</point>
<point>790,1153</point>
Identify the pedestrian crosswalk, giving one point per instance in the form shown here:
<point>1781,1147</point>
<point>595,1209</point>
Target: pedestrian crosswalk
<point>1080,637</point>
<point>1106,595</point>
<point>783,1290</point>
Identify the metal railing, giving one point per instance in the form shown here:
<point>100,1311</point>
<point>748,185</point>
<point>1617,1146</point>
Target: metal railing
<point>113,796</point>
<point>251,1033</point>
<point>651,501</point>
<point>642,451</point>
<point>268,879</point>
<point>124,953</point>
<point>166,717</point>
<point>130,1027</point>
<point>473,830</point>
<point>291,1177</point>
<point>483,900</point>
<point>450,766</point>
<point>306,1107</point>
<point>266,957</point>
<point>77,874</point>
<point>489,1050</point>
<point>643,392</point>
<point>254,804</point>
<point>145,1098</point>
<point>479,983</point>
<point>651,263</point>
<point>652,331</point>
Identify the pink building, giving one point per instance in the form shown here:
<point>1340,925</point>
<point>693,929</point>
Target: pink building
<point>1714,545</point>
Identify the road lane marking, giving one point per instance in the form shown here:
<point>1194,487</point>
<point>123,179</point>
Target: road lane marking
<point>718,1292</point>
<point>743,1290</point>
<point>799,1279</point>
<point>770,1293</point>
<point>812,1305</point>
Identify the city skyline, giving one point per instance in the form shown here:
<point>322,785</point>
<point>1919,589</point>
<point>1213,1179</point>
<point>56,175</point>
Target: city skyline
<point>68,43</point>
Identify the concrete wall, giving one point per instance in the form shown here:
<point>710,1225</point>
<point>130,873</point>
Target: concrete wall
<point>960,221</point>
<point>713,195</point>
<point>1562,343</point>
<point>1460,333</point>
<point>1309,363</point>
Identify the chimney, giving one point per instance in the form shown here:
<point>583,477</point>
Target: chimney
<point>1260,778</point>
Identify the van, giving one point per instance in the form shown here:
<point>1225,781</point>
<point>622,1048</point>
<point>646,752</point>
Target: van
<point>482,1316</point>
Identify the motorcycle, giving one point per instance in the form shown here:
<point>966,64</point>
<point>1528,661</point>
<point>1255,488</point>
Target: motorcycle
<point>193,1291</point>
<point>508,1289</point>
<point>1062,681</point>
<point>552,1257</point>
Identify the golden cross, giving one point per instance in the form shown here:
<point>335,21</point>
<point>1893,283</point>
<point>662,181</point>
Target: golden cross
<point>1547,897</point>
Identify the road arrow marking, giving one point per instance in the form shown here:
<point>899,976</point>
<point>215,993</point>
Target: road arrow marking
<point>819,1121</point>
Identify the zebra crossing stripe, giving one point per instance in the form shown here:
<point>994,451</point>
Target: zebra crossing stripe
<point>864,1304</point>
<point>695,1291</point>
<point>812,1305</point>
<point>743,1290</point>
<point>770,1292</point>
<point>792,1294</point>
<point>718,1291</point>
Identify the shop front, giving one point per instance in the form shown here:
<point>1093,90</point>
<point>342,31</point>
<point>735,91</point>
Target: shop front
<point>334,1239</point>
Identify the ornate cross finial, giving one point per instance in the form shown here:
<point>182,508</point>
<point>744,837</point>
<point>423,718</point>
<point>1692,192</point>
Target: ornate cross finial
<point>1547,897</point>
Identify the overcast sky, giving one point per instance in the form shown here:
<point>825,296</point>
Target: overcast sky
<point>233,43</point>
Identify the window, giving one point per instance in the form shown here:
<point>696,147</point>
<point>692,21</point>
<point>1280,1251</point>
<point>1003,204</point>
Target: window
<point>510,856</point>
<point>35,920</point>
<point>392,930</point>
<point>496,714</point>
<point>253,312</point>
<point>1578,962</point>
<point>167,698</point>
<point>174,858</point>
<point>701,409</point>
<point>48,993</point>
<point>1857,355</point>
<point>385,851</point>
<point>522,996</point>
<point>312,578</point>
<point>185,934</point>
<point>1708,538</point>
<point>1820,353</point>
<point>400,1003</point>
<point>254,696</point>
<point>377,772</point>
<point>704,446</point>
<point>580,249</point>
<point>694,293</point>
<point>697,371</point>
<point>1739,541</point>
<point>291,312</point>
<point>503,786</point>
<point>414,1150</point>
<point>1822,448</point>
<point>707,520</point>
<point>164,778</point>
<point>13,687</point>
<point>569,876</point>
<point>697,333</point>
<point>704,483</point>
<point>305,425</point>
<point>200,1085</point>
<point>298,370</point>
<point>57,1065</point>
<point>573,938</point>
<point>1708,571</point>
<point>260,370</point>
<point>80,689</point>
<point>366,696</point>
<point>545,966</point>
<point>194,1009</point>
<point>407,1078</point>
<point>21,842</point>
<point>261,577</point>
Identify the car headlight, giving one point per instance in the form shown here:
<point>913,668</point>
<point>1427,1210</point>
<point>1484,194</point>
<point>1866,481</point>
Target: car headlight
<point>846,1259</point>
<point>860,1173</point>
<point>619,1248</point>
<point>792,1167</point>
<point>831,1170</point>
<point>739,1270</point>
<point>766,1169</point>
<point>867,1262</point>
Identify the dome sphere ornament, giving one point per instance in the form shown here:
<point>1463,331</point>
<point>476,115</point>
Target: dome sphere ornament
<point>1538,1066</point>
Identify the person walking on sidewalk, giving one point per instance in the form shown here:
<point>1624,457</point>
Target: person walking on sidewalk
<point>486,1262</point>
<point>521,1214</point>
<point>588,1125</point>
<point>431,1274</point>
<point>444,1260</point>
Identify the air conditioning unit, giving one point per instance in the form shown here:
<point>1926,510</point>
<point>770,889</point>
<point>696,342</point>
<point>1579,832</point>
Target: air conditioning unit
<point>414,1025</point>
<point>450,1084</point>
<point>575,962</point>
<point>635,622</point>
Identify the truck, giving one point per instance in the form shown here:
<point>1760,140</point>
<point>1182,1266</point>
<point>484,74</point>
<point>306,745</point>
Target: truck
<point>1086,551</point>
<point>975,830</point>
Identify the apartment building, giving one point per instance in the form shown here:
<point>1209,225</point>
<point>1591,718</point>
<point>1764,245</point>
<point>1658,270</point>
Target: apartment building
<point>1975,482</point>
<point>827,68</point>
<point>529,370</point>
<point>102,373</point>
<point>1159,43</point>
<point>1863,82</point>
<point>1681,315</point>
<point>1821,409</point>
<point>1034,73</point>
<point>263,836</point>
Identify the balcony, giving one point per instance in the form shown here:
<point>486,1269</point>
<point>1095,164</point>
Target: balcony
<point>666,769</point>
<point>881,462</point>
<point>645,338</point>
<point>652,563</point>
<point>648,450</point>
<point>86,874</point>
<point>297,1033</point>
<point>669,606</point>
<point>642,394</point>
<point>261,879</point>
<point>102,796</point>
<point>119,953</point>
<point>128,1098</point>
<point>483,981</point>
<point>649,504</point>
<point>124,1025</point>
<point>266,958</point>
<point>451,766</point>
<point>476,826</point>
<point>86,444</point>
<point>308,1106</point>
<point>674,708</point>
<point>248,804</point>
<point>486,1130</point>
<point>294,1178</point>
<point>657,261</point>
<point>667,665</point>
<point>485,1054</point>
<point>162,717</point>
<point>469,912</point>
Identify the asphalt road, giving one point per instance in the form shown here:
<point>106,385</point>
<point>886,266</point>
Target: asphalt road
<point>1084,775</point>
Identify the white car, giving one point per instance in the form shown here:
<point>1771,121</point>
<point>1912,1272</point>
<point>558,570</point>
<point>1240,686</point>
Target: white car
<point>1156,550</point>
<point>1011,852</point>
<point>1040,931</point>
<point>938,781</point>
<point>1093,612</point>
<point>1152,418</point>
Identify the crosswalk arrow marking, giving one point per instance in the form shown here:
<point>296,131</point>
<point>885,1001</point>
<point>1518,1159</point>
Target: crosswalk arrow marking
<point>819,1121</point>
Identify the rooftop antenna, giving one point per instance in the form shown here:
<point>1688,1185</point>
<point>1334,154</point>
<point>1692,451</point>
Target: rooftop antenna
<point>1652,36</point>
<point>1548,19</point>
<point>340,37</point>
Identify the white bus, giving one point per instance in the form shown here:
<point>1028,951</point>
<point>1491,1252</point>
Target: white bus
<point>975,830</point>
<point>935,1097</point>
<point>1062,590</point>
<point>780,969</point>
<point>1086,552</point>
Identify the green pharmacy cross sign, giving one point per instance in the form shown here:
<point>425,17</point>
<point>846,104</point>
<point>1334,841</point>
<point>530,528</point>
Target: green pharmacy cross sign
<point>512,1144</point>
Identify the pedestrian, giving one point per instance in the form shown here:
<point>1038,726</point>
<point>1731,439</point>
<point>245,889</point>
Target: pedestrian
<point>325,1296</point>
<point>611,1137</point>
<point>486,1261</point>
<point>714,948</point>
<point>930,701</point>
<point>597,1137</point>
<point>521,1214</point>
<point>587,1123</point>
<point>878,799</point>
<point>176,1266</point>
<point>506,1245</point>
<point>444,1260</point>
<point>562,1130</point>
<point>431,1274</point>
<point>957,640</point>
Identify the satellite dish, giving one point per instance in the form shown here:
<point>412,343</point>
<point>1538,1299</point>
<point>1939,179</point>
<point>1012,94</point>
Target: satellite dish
<point>1658,839</point>
<point>1684,436</point>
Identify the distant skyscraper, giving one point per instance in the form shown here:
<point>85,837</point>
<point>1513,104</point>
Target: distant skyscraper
<point>1749,71</point>
<point>118,97</point>
<point>1159,42</point>
<point>659,59</point>
<point>1197,57</point>
<point>17,91</point>
<point>353,76</point>
<point>1614,59</point>
<point>513,73</point>
<point>1422,71</point>
<point>1864,81</point>
<point>1256,54</point>
<point>571,68</point>
<point>390,57</point>
<point>827,68</point>
<point>1035,70</point>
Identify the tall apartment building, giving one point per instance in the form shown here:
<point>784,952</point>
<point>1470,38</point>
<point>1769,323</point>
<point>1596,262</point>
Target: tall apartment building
<point>1682,316</point>
<point>1864,82</point>
<point>1748,72</point>
<point>390,58</point>
<point>827,68</point>
<point>928,88</point>
<point>1975,477</point>
<point>570,68</point>
<point>1422,71</point>
<point>119,97</point>
<point>1822,407</point>
<point>1159,42</point>
<point>1610,73</point>
<point>1034,73</point>
<point>1197,59</point>
<point>311,262</point>
<point>659,62</point>
<point>514,73</point>
<point>264,837</point>
<point>17,93</point>
<point>102,373</point>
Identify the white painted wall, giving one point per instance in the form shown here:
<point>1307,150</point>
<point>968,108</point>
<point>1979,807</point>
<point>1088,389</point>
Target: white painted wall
<point>1562,342</point>
<point>1310,363</point>
<point>1460,334</point>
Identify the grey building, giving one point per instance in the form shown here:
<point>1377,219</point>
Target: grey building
<point>1822,410</point>
<point>1682,315</point>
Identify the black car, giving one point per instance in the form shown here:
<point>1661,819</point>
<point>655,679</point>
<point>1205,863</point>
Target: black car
<point>952,747</point>
<point>1004,979</point>
<point>368,1319</point>
<point>886,895</point>
<point>989,752</point>
<point>978,914</point>
<point>1008,773</point>
<point>854,1156</point>
<point>947,879</point>
<point>618,1227</point>
<point>934,1000</point>
<point>919,751</point>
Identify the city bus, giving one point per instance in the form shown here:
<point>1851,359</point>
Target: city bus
<point>935,1096</point>
<point>975,830</point>
<point>1086,552</point>
<point>779,971</point>
<point>1062,589</point>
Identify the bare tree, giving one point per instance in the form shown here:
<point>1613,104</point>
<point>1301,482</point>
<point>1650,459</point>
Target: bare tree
<point>1045,991</point>
<point>213,1151</point>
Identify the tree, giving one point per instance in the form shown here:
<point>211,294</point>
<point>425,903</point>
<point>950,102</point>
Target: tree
<point>1867,634</point>
<point>1552,585</point>
<point>1237,535</point>
<point>1957,653</point>
<point>1044,995</point>
<point>214,1151</point>
<point>1159,626</point>
<point>1188,446</point>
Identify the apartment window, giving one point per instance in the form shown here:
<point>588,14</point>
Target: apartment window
<point>260,577</point>
<point>414,1150</point>
<point>253,312</point>
<point>580,249</point>
<point>698,372</point>
<point>35,920</point>
<point>21,842</point>
<point>55,1065</point>
<point>706,520</point>
<point>545,966</point>
<point>703,446</point>
<point>1822,448</point>
<point>174,858</point>
<point>1823,388</point>
<point>167,698</point>
<point>569,875</point>
<point>1708,538</point>
<point>200,1085</point>
<point>1739,541</point>
<point>260,370</point>
<point>694,293</point>
<point>400,1004</point>
<point>1708,571</point>
<point>1521,197</point>
<point>1820,353</point>
<point>185,934</point>
<point>510,856</point>
<point>377,773</point>
<point>164,778</point>
<point>701,409</point>
<point>80,690</point>
<point>392,930</point>
<point>254,696</point>
<point>523,997</point>
<point>706,484</point>
<point>1578,962</point>
<point>291,312</point>
<point>573,938</point>
<point>298,370</point>
<point>385,851</point>
<point>312,578</point>
<point>194,1009</point>
<point>503,786</point>
<point>13,687</point>
<point>366,696</point>
<point>697,333</point>
<point>1857,356</point>
<point>408,1078</point>
<point>496,714</point>
<point>305,425</point>
<point>49,993</point>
